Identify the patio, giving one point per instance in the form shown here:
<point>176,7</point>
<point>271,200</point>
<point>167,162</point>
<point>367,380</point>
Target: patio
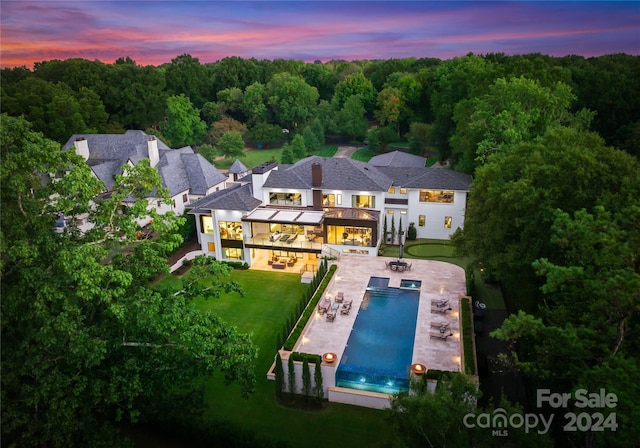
<point>440,281</point>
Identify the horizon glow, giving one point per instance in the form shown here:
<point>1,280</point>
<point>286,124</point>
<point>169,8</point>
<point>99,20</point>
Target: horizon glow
<point>155,32</point>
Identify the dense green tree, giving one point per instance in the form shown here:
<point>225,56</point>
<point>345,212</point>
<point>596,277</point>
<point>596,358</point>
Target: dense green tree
<point>208,152</point>
<point>223,125</point>
<point>355,84</point>
<point>350,119</point>
<point>287,156</point>
<point>230,102</point>
<point>86,341</point>
<point>237,72</point>
<point>515,194</point>
<point>210,112</point>
<point>253,103</point>
<point>186,76</point>
<point>322,78</point>
<point>512,111</point>
<point>135,97</point>
<point>390,104</point>
<point>266,134</point>
<point>298,148</point>
<point>419,138</point>
<point>455,80</point>
<point>231,145</point>
<point>183,126</point>
<point>279,376</point>
<point>291,99</point>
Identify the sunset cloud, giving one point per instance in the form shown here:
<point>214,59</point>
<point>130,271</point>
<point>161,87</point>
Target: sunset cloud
<point>156,32</point>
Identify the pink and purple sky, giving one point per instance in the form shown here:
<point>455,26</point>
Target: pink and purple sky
<point>154,32</point>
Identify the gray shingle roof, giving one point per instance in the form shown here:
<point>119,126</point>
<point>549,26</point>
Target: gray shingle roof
<point>236,197</point>
<point>238,167</point>
<point>434,178</point>
<point>337,174</point>
<point>398,159</point>
<point>180,169</point>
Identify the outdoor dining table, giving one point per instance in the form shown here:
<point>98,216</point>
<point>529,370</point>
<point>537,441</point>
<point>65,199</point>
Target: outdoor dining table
<point>398,265</point>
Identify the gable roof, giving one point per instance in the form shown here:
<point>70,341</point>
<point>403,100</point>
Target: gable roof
<point>236,197</point>
<point>180,169</point>
<point>398,159</point>
<point>337,174</point>
<point>434,178</point>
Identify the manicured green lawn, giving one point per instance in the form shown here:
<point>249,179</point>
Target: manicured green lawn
<point>270,298</point>
<point>363,154</point>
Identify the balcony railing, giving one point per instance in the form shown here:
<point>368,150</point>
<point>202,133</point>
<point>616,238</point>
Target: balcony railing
<point>299,242</point>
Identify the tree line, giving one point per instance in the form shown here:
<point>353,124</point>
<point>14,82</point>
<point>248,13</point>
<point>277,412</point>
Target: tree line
<point>436,104</point>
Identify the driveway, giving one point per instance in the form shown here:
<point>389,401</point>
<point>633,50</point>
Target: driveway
<point>345,151</point>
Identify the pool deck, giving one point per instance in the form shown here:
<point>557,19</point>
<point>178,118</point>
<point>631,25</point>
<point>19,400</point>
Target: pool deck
<point>440,281</point>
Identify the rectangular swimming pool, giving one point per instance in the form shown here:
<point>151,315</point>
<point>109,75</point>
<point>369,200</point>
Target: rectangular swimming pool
<point>378,354</point>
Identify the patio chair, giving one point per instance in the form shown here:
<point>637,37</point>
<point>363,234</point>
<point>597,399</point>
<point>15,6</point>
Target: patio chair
<point>440,335</point>
<point>346,307</point>
<point>340,297</point>
<point>440,303</point>
<point>331,314</point>
<point>324,305</point>
<point>442,326</point>
<point>440,309</point>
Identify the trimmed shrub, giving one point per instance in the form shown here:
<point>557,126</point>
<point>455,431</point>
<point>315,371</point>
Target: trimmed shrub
<point>318,388</point>
<point>467,336</point>
<point>292,376</point>
<point>306,378</point>
<point>279,374</point>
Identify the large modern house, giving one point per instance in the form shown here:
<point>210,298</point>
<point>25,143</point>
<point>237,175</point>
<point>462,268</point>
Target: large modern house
<point>288,216</point>
<point>187,175</point>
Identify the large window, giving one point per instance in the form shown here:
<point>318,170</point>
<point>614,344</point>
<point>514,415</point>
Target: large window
<point>363,201</point>
<point>230,230</point>
<point>206,224</point>
<point>436,196</point>
<point>350,235</point>
<point>233,253</point>
<point>285,199</point>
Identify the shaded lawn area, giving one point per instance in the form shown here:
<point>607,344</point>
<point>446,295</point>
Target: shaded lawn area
<point>270,299</point>
<point>254,157</point>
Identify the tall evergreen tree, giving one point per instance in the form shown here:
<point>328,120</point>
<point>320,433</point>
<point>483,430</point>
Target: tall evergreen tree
<point>291,374</point>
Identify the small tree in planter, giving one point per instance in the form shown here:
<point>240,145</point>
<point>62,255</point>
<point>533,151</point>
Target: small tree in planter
<point>393,230</point>
<point>385,232</point>
<point>318,388</point>
<point>279,373</point>
<point>292,376</point>
<point>306,378</point>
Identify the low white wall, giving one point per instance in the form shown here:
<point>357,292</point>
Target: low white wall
<point>359,398</point>
<point>328,374</point>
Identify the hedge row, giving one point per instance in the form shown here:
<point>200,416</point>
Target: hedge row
<point>467,336</point>
<point>308,312</point>
<point>311,358</point>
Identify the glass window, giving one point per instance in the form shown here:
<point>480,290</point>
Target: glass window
<point>390,212</point>
<point>363,201</point>
<point>233,253</point>
<point>230,230</point>
<point>403,191</point>
<point>421,220</point>
<point>185,198</point>
<point>445,196</point>
<point>447,222</point>
<point>285,199</point>
<point>392,190</point>
<point>339,201</point>
<point>206,224</point>
<point>211,247</point>
<point>350,236</point>
<point>329,200</point>
<point>403,212</point>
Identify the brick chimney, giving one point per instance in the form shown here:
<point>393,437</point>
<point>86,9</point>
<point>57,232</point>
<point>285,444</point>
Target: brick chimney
<point>82,147</point>
<point>316,184</point>
<point>154,155</point>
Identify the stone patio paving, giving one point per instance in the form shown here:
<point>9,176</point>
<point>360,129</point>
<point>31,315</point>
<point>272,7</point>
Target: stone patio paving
<point>440,281</point>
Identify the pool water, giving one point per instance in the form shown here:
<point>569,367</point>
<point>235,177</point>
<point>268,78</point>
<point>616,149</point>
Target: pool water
<point>378,354</point>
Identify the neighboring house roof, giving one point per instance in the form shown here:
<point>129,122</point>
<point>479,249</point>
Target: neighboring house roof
<point>236,197</point>
<point>398,159</point>
<point>238,167</point>
<point>180,169</point>
<point>337,174</point>
<point>434,178</point>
